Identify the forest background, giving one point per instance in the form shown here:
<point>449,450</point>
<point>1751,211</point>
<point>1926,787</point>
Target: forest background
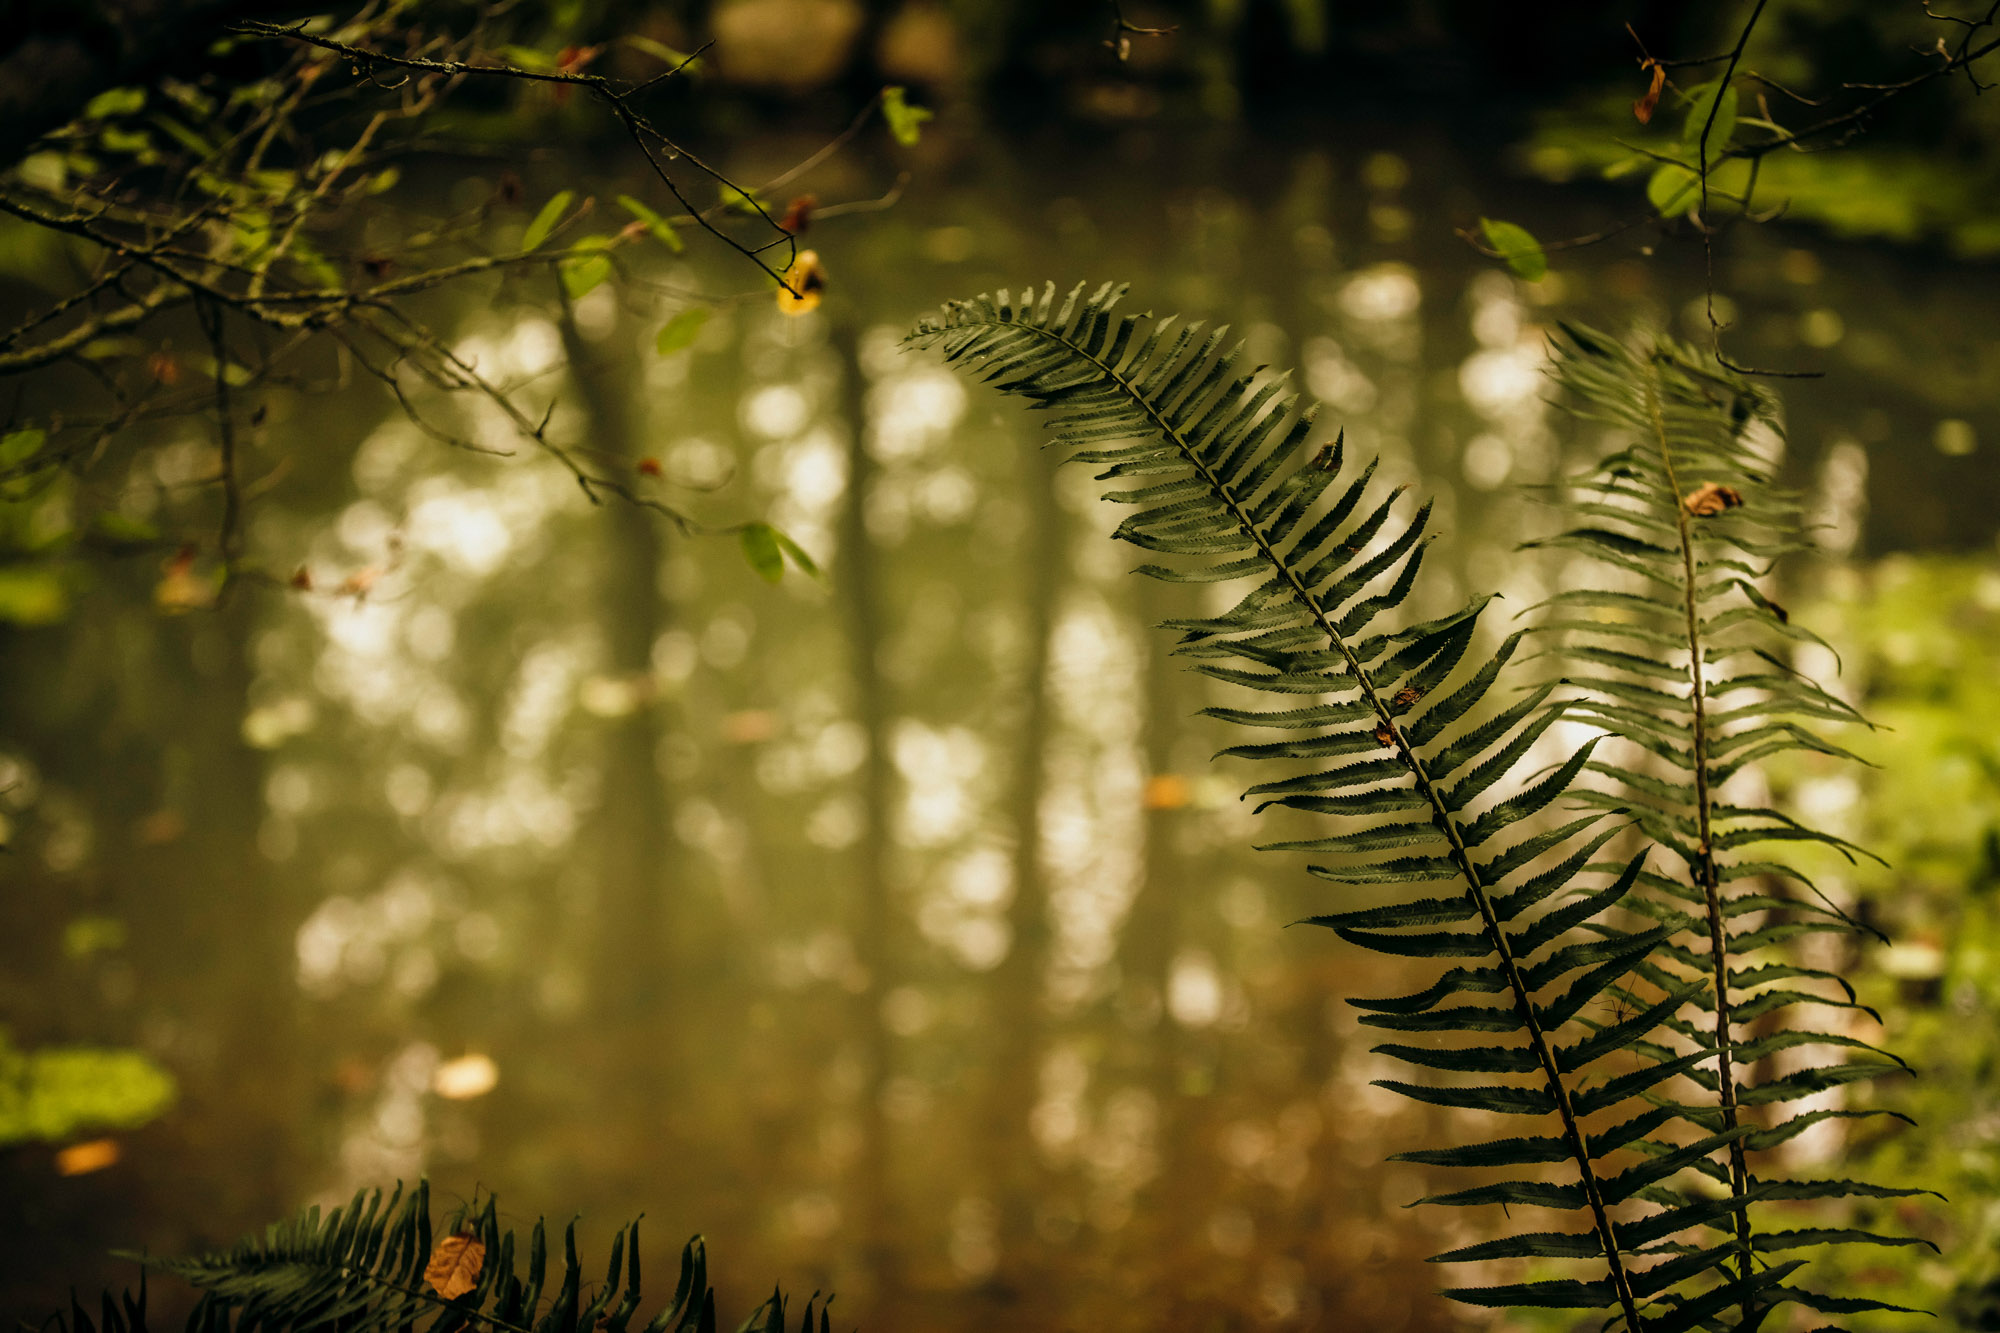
<point>395,808</point>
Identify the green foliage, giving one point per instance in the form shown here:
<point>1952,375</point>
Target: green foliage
<point>362,1269</point>
<point>680,332</point>
<point>735,199</point>
<point>587,268</point>
<point>33,595</point>
<point>545,221</point>
<point>1672,189</point>
<point>1437,788</point>
<point>17,447</point>
<point>1874,188</point>
<point>906,122</point>
<point>767,549</point>
<point>1711,115</point>
<point>1918,636</point>
<point>660,229</point>
<point>60,1092</point>
<point>1689,672</point>
<point>1518,246</point>
<point>760,548</point>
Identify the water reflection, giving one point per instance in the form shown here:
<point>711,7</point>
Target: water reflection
<point>896,932</point>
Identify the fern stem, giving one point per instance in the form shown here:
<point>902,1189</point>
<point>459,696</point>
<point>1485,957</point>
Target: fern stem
<point>1440,814</point>
<point>1704,867</point>
<point>473,1318</point>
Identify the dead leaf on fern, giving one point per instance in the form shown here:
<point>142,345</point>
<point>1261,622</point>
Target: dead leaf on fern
<point>454,1266</point>
<point>1708,499</point>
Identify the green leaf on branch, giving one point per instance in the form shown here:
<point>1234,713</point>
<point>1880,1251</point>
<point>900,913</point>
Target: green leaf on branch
<point>681,331</point>
<point>661,229</point>
<point>761,549</point>
<point>121,531</point>
<point>679,61</point>
<point>1698,113</point>
<point>739,200</point>
<point>797,555</point>
<point>905,121</point>
<point>1673,190</point>
<point>32,595</point>
<point>583,272</point>
<point>527,57</point>
<point>20,445</point>
<point>1518,247</point>
<point>767,549</point>
<point>44,171</point>
<point>545,221</point>
<point>115,102</point>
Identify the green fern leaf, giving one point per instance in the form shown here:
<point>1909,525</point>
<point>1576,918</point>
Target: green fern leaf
<point>361,1269</point>
<point>1689,673</point>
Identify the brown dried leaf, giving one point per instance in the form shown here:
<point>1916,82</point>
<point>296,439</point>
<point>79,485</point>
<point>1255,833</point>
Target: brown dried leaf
<point>1646,105</point>
<point>1709,499</point>
<point>80,1159</point>
<point>1384,735</point>
<point>1167,791</point>
<point>454,1266</point>
<point>1406,697</point>
<point>87,1157</point>
<point>798,213</point>
<point>749,726</point>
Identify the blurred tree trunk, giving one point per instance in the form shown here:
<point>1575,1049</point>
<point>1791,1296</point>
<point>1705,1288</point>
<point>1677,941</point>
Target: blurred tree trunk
<point>629,965</point>
<point>236,930</point>
<point>858,580</point>
<point>1015,1179</point>
<point>1153,933</point>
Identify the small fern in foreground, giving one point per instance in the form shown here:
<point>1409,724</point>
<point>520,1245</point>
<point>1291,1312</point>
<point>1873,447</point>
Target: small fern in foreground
<point>373,1267</point>
<point>1431,783</point>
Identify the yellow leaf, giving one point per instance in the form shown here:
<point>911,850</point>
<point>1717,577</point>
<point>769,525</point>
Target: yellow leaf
<point>806,280</point>
<point>454,1266</point>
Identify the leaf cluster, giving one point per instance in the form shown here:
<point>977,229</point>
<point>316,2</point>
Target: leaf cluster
<point>1440,785</point>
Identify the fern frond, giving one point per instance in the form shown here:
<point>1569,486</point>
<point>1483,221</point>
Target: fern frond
<point>1687,665</point>
<point>1221,466</point>
<point>362,1269</point>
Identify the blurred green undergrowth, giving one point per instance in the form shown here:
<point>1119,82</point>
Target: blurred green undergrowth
<point>1918,636</point>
